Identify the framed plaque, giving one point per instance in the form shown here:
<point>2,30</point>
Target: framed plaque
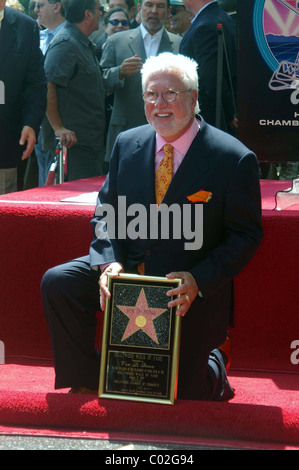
<point>141,337</point>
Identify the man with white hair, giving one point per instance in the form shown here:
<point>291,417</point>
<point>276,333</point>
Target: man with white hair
<point>206,167</point>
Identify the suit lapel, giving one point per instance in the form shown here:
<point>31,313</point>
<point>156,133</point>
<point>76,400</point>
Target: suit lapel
<point>193,169</point>
<point>136,43</point>
<point>142,165</point>
<point>166,44</point>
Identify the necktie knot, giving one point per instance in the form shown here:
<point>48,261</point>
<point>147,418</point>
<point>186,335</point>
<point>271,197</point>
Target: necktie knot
<point>168,150</point>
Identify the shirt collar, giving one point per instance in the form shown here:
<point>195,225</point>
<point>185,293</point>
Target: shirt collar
<point>1,16</point>
<point>77,33</point>
<point>183,143</point>
<point>44,33</point>
<point>145,32</point>
<point>55,30</point>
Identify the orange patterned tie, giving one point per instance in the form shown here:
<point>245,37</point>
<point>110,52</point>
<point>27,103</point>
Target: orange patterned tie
<point>164,173</point>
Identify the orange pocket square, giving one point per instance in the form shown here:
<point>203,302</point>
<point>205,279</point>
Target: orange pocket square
<point>200,196</point>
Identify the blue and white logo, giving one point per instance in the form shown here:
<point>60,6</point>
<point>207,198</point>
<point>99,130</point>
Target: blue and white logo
<point>276,30</point>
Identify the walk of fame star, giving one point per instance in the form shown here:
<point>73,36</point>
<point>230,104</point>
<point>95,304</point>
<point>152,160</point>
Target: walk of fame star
<point>141,317</point>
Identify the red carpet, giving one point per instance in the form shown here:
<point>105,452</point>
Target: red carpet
<point>37,231</point>
<point>265,410</point>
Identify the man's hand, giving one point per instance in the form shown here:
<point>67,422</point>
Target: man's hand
<point>130,66</point>
<point>28,135</point>
<point>187,292</point>
<point>113,269</point>
<point>67,137</point>
<point>234,124</point>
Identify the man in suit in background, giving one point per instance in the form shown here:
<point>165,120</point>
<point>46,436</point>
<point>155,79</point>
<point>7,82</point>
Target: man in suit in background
<point>122,60</point>
<point>201,44</point>
<point>25,92</point>
<point>211,171</point>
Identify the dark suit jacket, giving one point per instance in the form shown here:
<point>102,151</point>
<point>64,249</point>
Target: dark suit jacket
<point>22,72</point>
<point>215,162</point>
<point>128,107</point>
<point>201,44</point>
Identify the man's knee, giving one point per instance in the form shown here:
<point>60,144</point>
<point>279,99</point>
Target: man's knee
<point>53,280</point>
<point>72,280</point>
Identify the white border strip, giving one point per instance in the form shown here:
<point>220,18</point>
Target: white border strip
<point>53,203</point>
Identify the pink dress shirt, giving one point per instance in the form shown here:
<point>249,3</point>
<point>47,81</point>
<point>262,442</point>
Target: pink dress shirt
<point>181,146</point>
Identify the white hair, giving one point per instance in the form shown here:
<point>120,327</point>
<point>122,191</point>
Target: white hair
<point>183,66</point>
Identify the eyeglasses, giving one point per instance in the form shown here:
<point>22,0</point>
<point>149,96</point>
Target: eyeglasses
<point>117,22</point>
<point>168,95</point>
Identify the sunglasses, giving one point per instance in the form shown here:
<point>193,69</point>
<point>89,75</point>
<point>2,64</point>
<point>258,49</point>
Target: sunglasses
<point>116,22</point>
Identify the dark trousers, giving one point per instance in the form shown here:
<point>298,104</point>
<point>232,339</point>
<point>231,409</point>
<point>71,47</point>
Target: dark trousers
<point>70,294</point>
<point>83,163</point>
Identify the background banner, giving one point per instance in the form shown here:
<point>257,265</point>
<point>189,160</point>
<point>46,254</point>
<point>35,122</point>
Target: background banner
<point>268,78</point>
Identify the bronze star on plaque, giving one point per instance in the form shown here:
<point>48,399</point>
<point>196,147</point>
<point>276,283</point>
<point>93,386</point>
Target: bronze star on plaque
<point>141,317</point>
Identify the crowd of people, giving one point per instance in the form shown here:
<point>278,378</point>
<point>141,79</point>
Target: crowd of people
<point>92,54</point>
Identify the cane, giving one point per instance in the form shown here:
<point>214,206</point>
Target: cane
<point>59,166</point>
